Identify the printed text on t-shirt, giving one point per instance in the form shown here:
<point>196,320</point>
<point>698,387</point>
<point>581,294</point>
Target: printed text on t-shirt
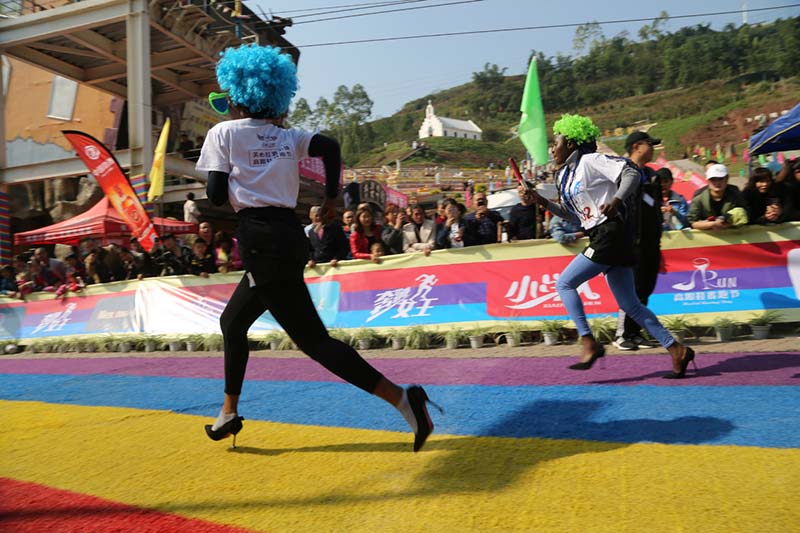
<point>260,158</point>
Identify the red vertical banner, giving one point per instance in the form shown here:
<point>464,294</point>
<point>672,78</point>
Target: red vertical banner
<point>109,175</point>
<point>5,227</point>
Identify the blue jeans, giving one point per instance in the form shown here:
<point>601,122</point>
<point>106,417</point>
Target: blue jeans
<point>620,280</point>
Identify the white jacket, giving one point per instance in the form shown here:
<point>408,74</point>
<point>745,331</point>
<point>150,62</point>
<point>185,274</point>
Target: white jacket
<point>427,237</point>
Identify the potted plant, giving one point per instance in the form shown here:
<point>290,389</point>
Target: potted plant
<point>552,330</point>
<point>342,335</point>
<point>59,344</point>
<point>286,342</point>
<point>175,343</point>
<point>417,338</point>
<point>49,345</point>
<point>761,324</point>
<point>724,329</point>
<point>11,346</point>
<point>214,342</point>
<point>106,343</point>
<point>513,334</point>
<point>397,339</point>
<point>677,326</point>
<point>365,338</point>
<point>453,337</point>
<point>273,339</point>
<point>103,343</point>
<point>151,343</point>
<point>125,344</point>
<point>603,328</point>
<point>194,342</point>
<point>476,337</point>
<point>34,346</point>
<point>85,344</point>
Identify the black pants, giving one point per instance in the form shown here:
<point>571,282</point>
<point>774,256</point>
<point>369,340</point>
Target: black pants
<point>645,275</point>
<point>274,249</point>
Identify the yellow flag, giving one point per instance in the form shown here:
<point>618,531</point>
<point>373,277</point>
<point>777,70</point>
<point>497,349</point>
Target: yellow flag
<point>157,170</point>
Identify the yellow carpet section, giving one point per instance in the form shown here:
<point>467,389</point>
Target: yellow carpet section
<point>308,478</point>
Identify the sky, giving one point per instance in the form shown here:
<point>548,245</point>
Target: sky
<point>396,72</point>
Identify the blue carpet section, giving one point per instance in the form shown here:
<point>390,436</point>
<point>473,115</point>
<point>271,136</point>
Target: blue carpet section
<point>744,416</point>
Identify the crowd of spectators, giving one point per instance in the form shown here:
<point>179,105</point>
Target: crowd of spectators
<point>766,199</point>
<point>89,263</point>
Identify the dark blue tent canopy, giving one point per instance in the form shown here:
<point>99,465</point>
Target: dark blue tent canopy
<point>782,135</point>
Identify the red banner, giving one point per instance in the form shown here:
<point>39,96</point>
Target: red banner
<point>109,175</point>
<point>314,169</point>
<point>396,197</point>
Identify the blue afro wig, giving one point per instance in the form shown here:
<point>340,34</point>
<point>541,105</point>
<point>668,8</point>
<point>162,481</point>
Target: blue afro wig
<point>259,79</point>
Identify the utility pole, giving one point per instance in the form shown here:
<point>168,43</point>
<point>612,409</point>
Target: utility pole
<point>744,12</point>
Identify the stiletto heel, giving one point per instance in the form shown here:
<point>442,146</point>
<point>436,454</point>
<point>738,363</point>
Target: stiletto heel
<point>231,427</point>
<point>586,365</point>
<point>418,400</point>
<point>688,357</point>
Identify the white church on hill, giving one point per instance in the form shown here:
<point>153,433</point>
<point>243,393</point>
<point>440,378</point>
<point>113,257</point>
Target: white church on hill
<point>447,127</point>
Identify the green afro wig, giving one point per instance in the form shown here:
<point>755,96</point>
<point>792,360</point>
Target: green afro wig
<point>576,128</point>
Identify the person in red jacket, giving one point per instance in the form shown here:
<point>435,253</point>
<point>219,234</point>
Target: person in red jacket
<point>365,233</point>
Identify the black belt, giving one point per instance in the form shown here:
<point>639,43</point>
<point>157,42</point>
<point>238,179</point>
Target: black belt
<point>267,211</point>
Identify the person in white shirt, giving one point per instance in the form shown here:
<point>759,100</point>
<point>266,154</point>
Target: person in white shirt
<point>601,192</point>
<point>252,162</point>
<point>190,210</point>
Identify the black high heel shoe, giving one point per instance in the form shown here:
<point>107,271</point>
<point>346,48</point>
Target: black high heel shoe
<point>417,399</point>
<point>231,427</point>
<point>586,365</point>
<point>688,357</point>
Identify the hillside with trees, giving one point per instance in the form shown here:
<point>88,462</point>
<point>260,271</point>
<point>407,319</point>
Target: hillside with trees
<point>682,80</point>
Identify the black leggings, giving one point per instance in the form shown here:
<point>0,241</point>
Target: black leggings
<point>290,304</point>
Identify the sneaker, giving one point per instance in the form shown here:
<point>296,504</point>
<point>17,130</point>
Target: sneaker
<point>625,344</point>
<point>644,344</point>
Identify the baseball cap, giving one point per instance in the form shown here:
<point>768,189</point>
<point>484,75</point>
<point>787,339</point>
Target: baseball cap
<point>637,137</point>
<point>664,173</point>
<point>717,171</point>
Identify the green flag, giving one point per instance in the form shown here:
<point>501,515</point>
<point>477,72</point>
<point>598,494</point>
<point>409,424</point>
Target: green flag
<point>532,129</point>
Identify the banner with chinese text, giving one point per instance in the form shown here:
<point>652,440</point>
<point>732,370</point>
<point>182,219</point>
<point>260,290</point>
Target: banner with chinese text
<point>109,175</point>
<point>732,273</point>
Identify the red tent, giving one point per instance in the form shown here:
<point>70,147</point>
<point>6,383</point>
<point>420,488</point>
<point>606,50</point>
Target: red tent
<point>101,222</point>
<point>684,182</point>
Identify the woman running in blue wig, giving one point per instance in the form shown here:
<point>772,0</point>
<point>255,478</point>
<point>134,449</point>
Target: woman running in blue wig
<point>252,163</point>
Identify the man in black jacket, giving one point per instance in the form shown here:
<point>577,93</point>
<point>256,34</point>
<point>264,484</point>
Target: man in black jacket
<point>647,245</point>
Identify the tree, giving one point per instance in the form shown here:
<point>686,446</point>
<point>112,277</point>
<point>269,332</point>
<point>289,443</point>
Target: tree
<point>587,34</point>
<point>302,115</point>
<point>344,117</point>
<point>490,77</point>
<point>321,117</point>
<point>360,104</point>
<point>653,31</point>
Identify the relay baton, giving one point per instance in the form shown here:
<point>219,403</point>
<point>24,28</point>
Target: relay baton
<point>518,174</point>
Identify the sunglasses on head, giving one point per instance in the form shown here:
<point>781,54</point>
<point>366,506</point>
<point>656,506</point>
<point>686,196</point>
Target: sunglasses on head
<point>219,102</point>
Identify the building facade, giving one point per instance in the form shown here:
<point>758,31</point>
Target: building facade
<point>435,126</point>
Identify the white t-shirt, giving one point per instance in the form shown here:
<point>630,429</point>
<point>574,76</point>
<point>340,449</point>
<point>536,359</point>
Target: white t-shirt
<point>190,211</point>
<point>456,239</point>
<point>590,184</point>
<point>260,159</point>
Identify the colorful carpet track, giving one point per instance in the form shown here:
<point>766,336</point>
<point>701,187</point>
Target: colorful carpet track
<point>112,444</point>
